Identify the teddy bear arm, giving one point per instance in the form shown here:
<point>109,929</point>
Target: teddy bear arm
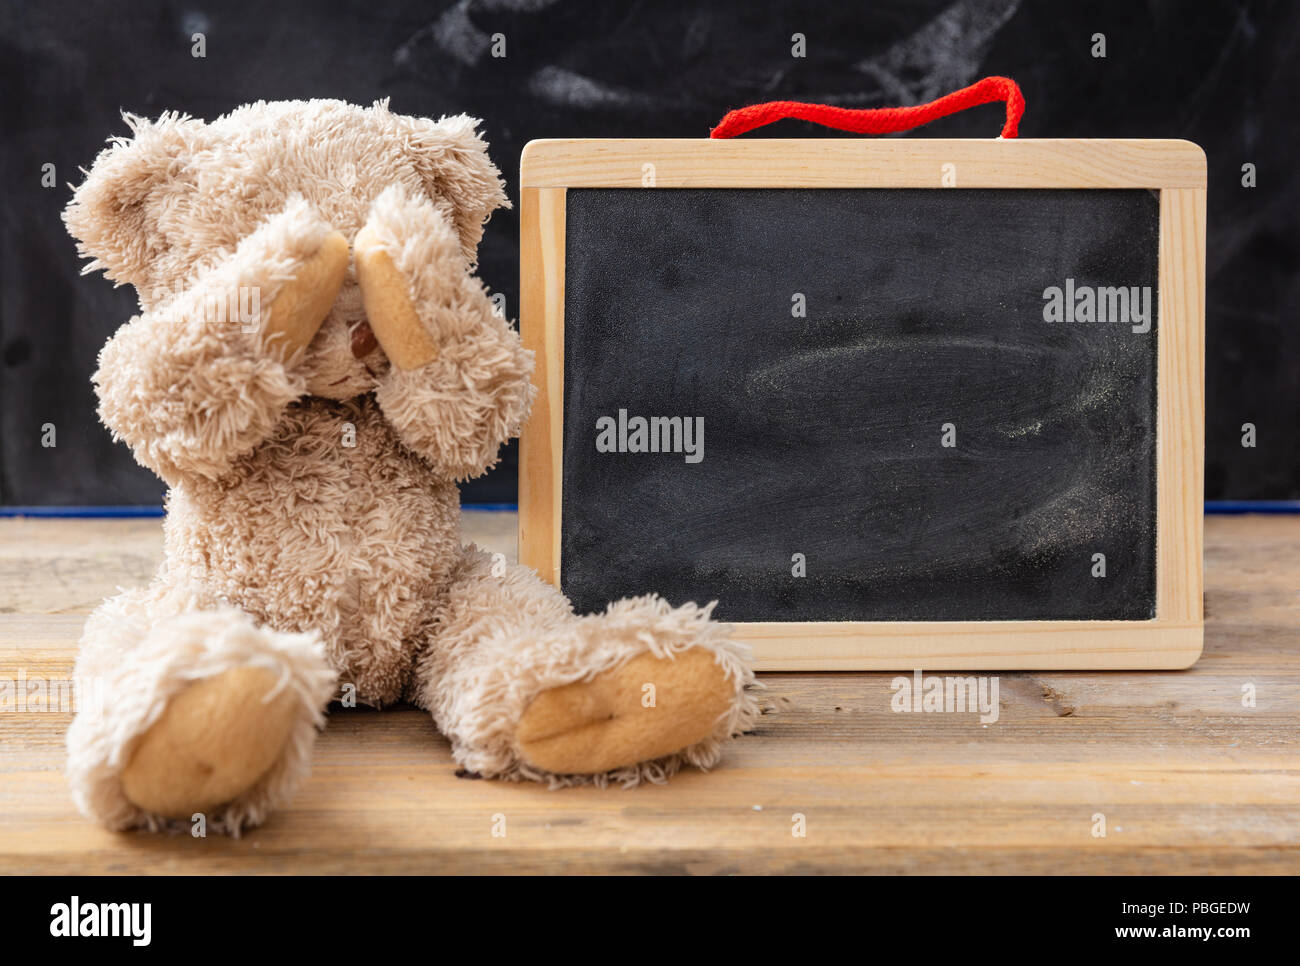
<point>457,410</point>
<point>184,406</point>
<point>198,381</point>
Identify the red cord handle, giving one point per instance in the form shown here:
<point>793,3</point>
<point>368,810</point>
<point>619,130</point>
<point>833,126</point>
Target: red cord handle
<point>884,120</point>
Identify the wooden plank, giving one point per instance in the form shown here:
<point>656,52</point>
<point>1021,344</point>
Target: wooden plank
<point>861,163</point>
<point>541,444</point>
<point>971,645</point>
<point>1189,780</point>
<point>50,567</point>
<point>1180,382</point>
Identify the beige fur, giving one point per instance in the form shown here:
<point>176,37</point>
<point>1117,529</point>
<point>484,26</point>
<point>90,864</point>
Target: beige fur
<point>312,531</point>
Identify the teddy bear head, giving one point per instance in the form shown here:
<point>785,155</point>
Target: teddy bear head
<point>158,208</point>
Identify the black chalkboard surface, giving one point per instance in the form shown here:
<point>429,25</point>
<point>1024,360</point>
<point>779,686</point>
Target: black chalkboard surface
<point>892,430</point>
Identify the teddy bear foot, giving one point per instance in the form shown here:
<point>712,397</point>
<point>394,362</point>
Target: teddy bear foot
<point>647,708</point>
<point>213,742</point>
<point>206,715</point>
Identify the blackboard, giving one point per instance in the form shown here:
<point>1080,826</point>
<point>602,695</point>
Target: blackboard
<point>824,423</point>
<point>945,397</point>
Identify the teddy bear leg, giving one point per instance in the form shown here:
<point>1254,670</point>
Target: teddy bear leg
<point>191,712</point>
<point>524,688</point>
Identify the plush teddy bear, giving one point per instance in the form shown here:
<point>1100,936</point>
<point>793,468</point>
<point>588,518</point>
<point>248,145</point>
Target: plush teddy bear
<point>313,368</point>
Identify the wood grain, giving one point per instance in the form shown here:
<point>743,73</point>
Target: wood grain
<point>1180,388</point>
<point>861,163</point>
<point>1188,779</point>
<point>541,232</point>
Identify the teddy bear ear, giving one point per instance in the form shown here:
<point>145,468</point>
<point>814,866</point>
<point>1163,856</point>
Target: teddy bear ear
<point>110,212</point>
<point>452,158</point>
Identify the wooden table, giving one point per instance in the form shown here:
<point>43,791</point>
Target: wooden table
<point>1188,779</point>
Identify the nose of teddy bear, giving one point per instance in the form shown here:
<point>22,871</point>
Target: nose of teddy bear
<point>363,340</point>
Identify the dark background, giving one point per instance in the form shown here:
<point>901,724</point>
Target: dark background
<point>1222,74</point>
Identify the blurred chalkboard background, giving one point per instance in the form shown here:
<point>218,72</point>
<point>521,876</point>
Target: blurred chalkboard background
<point>1223,74</point>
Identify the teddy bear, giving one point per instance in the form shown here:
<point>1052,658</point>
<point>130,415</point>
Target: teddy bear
<point>313,368</point>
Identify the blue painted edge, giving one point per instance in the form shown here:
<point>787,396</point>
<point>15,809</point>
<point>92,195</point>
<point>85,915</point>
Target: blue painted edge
<point>1252,506</point>
<point>75,512</point>
<point>81,511</point>
<point>1211,506</point>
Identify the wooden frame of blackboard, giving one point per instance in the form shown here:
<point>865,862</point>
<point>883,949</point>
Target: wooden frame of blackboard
<point>1176,169</point>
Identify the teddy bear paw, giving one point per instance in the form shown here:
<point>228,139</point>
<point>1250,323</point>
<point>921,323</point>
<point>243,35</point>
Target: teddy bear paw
<point>387,299</point>
<point>644,709</point>
<point>213,741</point>
<point>303,302</point>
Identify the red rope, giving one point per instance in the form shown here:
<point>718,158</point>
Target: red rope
<point>884,120</point>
